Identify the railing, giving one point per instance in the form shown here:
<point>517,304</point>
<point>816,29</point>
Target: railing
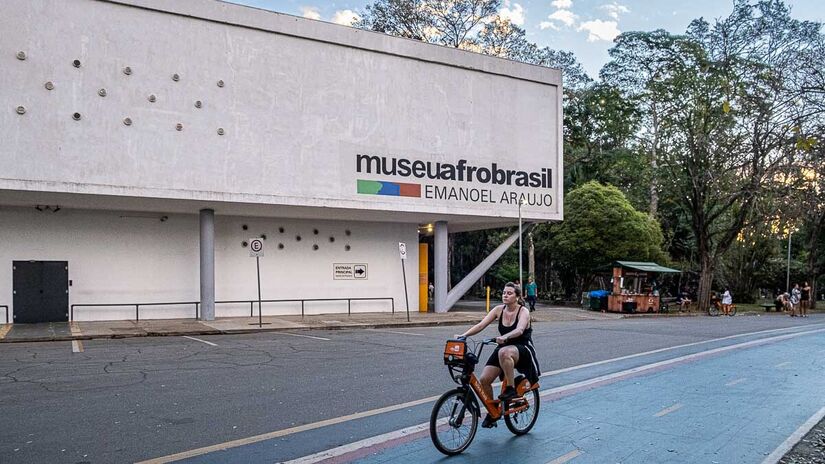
<point>136,306</point>
<point>7,312</point>
<point>348,300</point>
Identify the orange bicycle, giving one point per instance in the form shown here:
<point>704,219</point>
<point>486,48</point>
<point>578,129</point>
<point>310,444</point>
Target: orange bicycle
<point>454,419</point>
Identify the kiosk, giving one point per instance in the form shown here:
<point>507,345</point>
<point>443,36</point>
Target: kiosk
<point>633,287</point>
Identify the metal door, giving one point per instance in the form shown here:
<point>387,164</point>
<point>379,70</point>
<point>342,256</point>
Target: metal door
<point>41,291</point>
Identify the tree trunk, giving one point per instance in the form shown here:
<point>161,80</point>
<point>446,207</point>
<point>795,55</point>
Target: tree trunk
<point>705,282</point>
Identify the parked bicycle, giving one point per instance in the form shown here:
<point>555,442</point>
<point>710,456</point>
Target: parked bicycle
<point>454,419</point>
<point>715,308</point>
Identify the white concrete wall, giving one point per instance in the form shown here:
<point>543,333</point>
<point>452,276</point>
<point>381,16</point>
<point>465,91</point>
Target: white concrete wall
<point>141,259</point>
<point>301,99</point>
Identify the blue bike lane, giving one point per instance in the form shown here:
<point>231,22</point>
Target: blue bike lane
<point>732,406</point>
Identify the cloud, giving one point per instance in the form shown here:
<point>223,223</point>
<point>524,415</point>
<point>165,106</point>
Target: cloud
<point>345,17</point>
<point>564,16</point>
<point>548,25</point>
<point>310,12</point>
<point>514,14</point>
<point>600,30</point>
<point>562,4</point>
<point>615,9</point>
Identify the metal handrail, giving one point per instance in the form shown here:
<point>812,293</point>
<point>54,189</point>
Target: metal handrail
<point>303,300</point>
<point>197,305</point>
<point>7,312</point>
<point>136,305</point>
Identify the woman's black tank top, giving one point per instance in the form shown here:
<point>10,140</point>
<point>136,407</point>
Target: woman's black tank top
<point>523,339</point>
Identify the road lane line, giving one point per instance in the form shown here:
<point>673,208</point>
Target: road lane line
<point>199,340</point>
<point>304,336</point>
<point>669,410</point>
<point>781,365</point>
<point>566,457</point>
<point>786,445</point>
<point>77,345</point>
<point>394,332</point>
<point>735,382</point>
<point>570,388</point>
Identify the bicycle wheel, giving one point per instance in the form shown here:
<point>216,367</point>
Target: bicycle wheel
<point>733,310</point>
<point>453,423</point>
<point>521,422</point>
<point>713,310</point>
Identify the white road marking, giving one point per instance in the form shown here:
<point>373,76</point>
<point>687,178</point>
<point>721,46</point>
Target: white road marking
<point>735,382</point>
<point>552,391</point>
<point>781,365</point>
<point>77,346</point>
<point>669,410</point>
<point>566,457</point>
<point>786,445</point>
<point>394,332</point>
<point>304,336</point>
<point>199,340</point>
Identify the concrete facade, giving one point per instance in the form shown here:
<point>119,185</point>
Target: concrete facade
<point>124,112</point>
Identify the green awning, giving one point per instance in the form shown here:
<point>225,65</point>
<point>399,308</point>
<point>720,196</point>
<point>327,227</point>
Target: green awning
<point>644,267</point>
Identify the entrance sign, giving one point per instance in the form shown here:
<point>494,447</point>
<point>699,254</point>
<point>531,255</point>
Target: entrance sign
<point>349,271</point>
<point>256,248</point>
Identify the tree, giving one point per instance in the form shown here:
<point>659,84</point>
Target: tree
<point>601,226</point>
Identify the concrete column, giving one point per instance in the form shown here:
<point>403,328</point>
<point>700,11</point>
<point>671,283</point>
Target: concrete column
<point>207,270</point>
<point>440,267</point>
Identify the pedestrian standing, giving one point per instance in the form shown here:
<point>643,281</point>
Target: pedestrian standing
<point>532,293</point>
<point>805,299</point>
<point>727,300</point>
<point>796,295</point>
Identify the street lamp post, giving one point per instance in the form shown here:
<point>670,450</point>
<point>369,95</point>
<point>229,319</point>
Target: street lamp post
<point>520,281</point>
<point>788,273</point>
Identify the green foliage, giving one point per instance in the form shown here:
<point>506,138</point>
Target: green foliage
<point>601,226</point>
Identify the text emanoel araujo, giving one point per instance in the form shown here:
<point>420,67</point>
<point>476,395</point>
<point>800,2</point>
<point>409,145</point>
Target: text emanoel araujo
<point>514,181</point>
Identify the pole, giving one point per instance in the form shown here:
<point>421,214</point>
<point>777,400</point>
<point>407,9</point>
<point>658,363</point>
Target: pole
<point>488,298</point>
<point>519,248</point>
<point>406,297</point>
<point>258,265</point>
<point>788,274</point>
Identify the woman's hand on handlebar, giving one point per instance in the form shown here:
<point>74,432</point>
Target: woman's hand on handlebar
<point>500,340</point>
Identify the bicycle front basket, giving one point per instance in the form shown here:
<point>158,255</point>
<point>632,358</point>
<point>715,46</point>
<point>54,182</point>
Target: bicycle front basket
<point>454,352</point>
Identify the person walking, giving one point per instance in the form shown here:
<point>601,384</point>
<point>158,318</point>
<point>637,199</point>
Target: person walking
<point>532,293</point>
<point>805,299</point>
<point>796,295</point>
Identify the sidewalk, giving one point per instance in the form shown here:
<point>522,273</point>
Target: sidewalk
<point>466,315</point>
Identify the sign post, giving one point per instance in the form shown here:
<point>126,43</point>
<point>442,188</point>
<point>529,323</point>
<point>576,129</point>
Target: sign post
<point>402,250</point>
<point>256,250</point>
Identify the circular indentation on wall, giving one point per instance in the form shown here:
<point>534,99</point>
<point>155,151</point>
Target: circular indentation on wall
<point>263,236</point>
<point>153,98</point>
<point>220,84</point>
<point>198,104</point>
<point>21,55</point>
<point>346,248</point>
<point>315,247</point>
<point>102,92</point>
<point>280,246</point>
<point>221,131</point>
<point>347,233</point>
<point>76,116</point>
<point>127,70</point>
<point>298,238</point>
<point>179,127</point>
<point>49,85</point>
<point>244,227</point>
<point>76,63</point>
<point>244,244</point>
<point>21,110</point>
<point>331,239</point>
<point>281,230</point>
<point>176,77</point>
<point>315,231</point>
<point>127,121</point>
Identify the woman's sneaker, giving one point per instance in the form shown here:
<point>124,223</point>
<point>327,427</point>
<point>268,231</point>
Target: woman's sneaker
<point>508,394</point>
<point>489,422</point>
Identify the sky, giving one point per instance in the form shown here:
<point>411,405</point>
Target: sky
<point>584,27</point>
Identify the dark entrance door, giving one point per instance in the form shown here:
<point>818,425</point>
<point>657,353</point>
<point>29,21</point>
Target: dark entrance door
<point>41,291</point>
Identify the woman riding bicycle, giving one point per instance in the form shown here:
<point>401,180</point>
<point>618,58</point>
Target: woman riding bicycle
<point>515,346</point>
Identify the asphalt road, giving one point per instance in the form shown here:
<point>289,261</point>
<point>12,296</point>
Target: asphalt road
<point>137,399</point>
